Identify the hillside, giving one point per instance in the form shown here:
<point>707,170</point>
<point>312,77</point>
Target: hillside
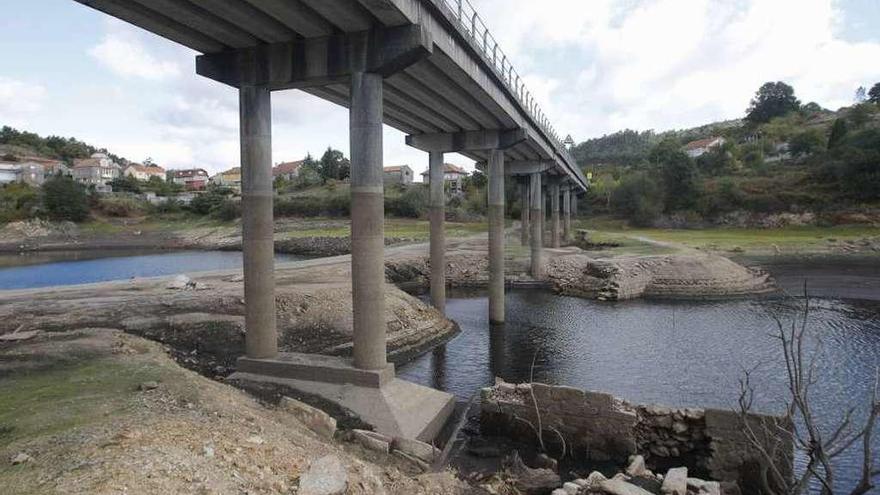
<point>808,165</point>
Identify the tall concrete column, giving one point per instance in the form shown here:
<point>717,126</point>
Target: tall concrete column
<point>574,204</point>
<point>437,214</point>
<point>524,211</point>
<point>257,225</point>
<point>566,212</point>
<point>367,221</point>
<point>554,207</point>
<point>496,236</point>
<point>537,213</point>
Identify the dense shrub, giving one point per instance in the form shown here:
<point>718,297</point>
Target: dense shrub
<point>807,142</point>
<point>168,206</point>
<point>120,206</point>
<point>638,197</point>
<point>227,211</point>
<point>335,205</point>
<point>18,202</point>
<point>207,202</point>
<point>64,199</point>
<point>412,203</point>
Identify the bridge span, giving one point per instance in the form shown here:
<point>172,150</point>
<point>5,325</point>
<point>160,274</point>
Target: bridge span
<point>429,68</point>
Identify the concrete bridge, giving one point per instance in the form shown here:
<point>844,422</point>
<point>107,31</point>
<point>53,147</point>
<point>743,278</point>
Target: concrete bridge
<point>429,68</point>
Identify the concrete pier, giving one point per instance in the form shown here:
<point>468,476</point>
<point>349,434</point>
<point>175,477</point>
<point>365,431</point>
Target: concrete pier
<point>367,222</point>
<point>554,209</point>
<point>566,212</point>
<point>437,217</point>
<point>537,213</point>
<point>496,236</point>
<point>524,211</point>
<point>255,108</point>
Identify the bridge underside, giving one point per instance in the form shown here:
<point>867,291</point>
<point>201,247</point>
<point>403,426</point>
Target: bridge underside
<point>414,65</point>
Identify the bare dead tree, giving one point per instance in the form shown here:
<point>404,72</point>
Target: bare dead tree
<point>800,426</point>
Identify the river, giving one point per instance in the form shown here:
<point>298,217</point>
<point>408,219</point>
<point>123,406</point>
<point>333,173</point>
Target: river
<point>671,353</point>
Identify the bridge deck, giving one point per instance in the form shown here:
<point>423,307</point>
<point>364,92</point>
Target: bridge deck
<point>464,85</point>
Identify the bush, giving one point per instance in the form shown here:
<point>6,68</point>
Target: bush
<point>207,202</point>
<point>120,206</point>
<point>64,199</point>
<point>639,198</point>
<point>18,201</point>
<point>227,211</point>
<point>335,205</point>
<point>412,203</point>
<point>168,206</point>
<point>807,142</point>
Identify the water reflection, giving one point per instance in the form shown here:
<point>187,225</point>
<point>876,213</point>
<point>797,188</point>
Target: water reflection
<point>673,353</point>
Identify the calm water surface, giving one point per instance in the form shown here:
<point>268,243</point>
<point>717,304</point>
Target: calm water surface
<point>83,267</point>
<point>672,353</point>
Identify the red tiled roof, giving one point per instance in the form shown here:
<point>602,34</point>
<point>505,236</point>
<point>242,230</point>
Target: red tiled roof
<point>287,168</point>
<point>191,172</point>
<point>395,168</point>
<point>450,168</point>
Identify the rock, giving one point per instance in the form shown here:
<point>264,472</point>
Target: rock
<point>179,282</point>
<point>148,386</point>
<point>325,476</point>
<point>420,450</point>
<point>730,488</point>
<point>711,488</point>
<point>559,491</point>
<point>412,459</point>
<point>594,480</point>
<point>315,419</point>
<point>679,427</point>
<point>17,336</point>
<point>21,458</point>
<point>528,480</point>
<point>255,439</point>
<point>620,487</point>
<point>659,450</point>
<point>675,482</point>
<point>546,462</point>
<point>371,440</point>
<point>571,488</point>
<point>208,451</point>
<point>636,466</point>
<point>581,483</point>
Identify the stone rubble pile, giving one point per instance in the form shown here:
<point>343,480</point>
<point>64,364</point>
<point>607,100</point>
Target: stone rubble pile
<point>638,480</point>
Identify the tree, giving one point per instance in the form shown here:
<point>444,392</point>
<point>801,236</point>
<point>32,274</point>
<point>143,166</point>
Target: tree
<point>800,426</point>
<point>861,95</point>
<point>639,198</point>
<point>773,99</point>
<point>64,199</point>
<point>838,133</point>
<point>874,94</point>
<point>126,183</point>
<point>334,165</point>
<point>807,142</point>
<point>679,174</point>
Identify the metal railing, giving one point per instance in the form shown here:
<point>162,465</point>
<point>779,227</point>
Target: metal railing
<point>472,26</point>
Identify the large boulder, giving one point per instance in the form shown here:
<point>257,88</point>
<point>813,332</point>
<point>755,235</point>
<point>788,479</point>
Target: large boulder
<point>675,482</point>
<point>325,476</point>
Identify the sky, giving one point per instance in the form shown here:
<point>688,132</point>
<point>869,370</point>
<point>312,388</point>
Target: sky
<point>595,67</point>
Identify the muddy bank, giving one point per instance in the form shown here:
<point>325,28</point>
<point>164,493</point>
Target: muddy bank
<point>100,411</point>
<point>203,320</point>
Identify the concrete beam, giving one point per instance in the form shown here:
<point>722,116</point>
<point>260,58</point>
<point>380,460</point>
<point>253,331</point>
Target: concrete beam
<point>536,207</point>
<point>367,222</point>
<point>496,236</point>
<point>437,214</point>
<point>319,61</point>
<point>258,244</point>
<point>454,142</point>
<point>522,167</point>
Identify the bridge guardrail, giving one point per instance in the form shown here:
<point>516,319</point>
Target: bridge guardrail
<point>482,40</point>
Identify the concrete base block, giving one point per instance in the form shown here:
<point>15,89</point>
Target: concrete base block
<point>317,368</point>
<point>396,408</point>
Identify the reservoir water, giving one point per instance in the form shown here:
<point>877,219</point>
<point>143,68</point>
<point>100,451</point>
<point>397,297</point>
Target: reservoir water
<point>671,353</point>
<point>31,270</point>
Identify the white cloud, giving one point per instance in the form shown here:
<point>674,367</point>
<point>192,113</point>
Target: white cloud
<point>669,64</point>
<point>19,99</point>
<point>123,52</point>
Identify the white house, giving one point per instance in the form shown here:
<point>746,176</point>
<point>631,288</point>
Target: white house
<point>144,172</point>
<point>702,146</point>
<point>28,172</point>
<point>453,175</point>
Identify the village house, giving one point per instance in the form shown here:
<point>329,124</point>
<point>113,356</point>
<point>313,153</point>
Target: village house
<point>400,174</point>
<point>230,178</point>
<point>453,175</point>
<point>192,179</point>
<point>96,170</point>
<point>287,170</point>
<point>29,172</point>
<point>702,146</point>
<point>144,172</point>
